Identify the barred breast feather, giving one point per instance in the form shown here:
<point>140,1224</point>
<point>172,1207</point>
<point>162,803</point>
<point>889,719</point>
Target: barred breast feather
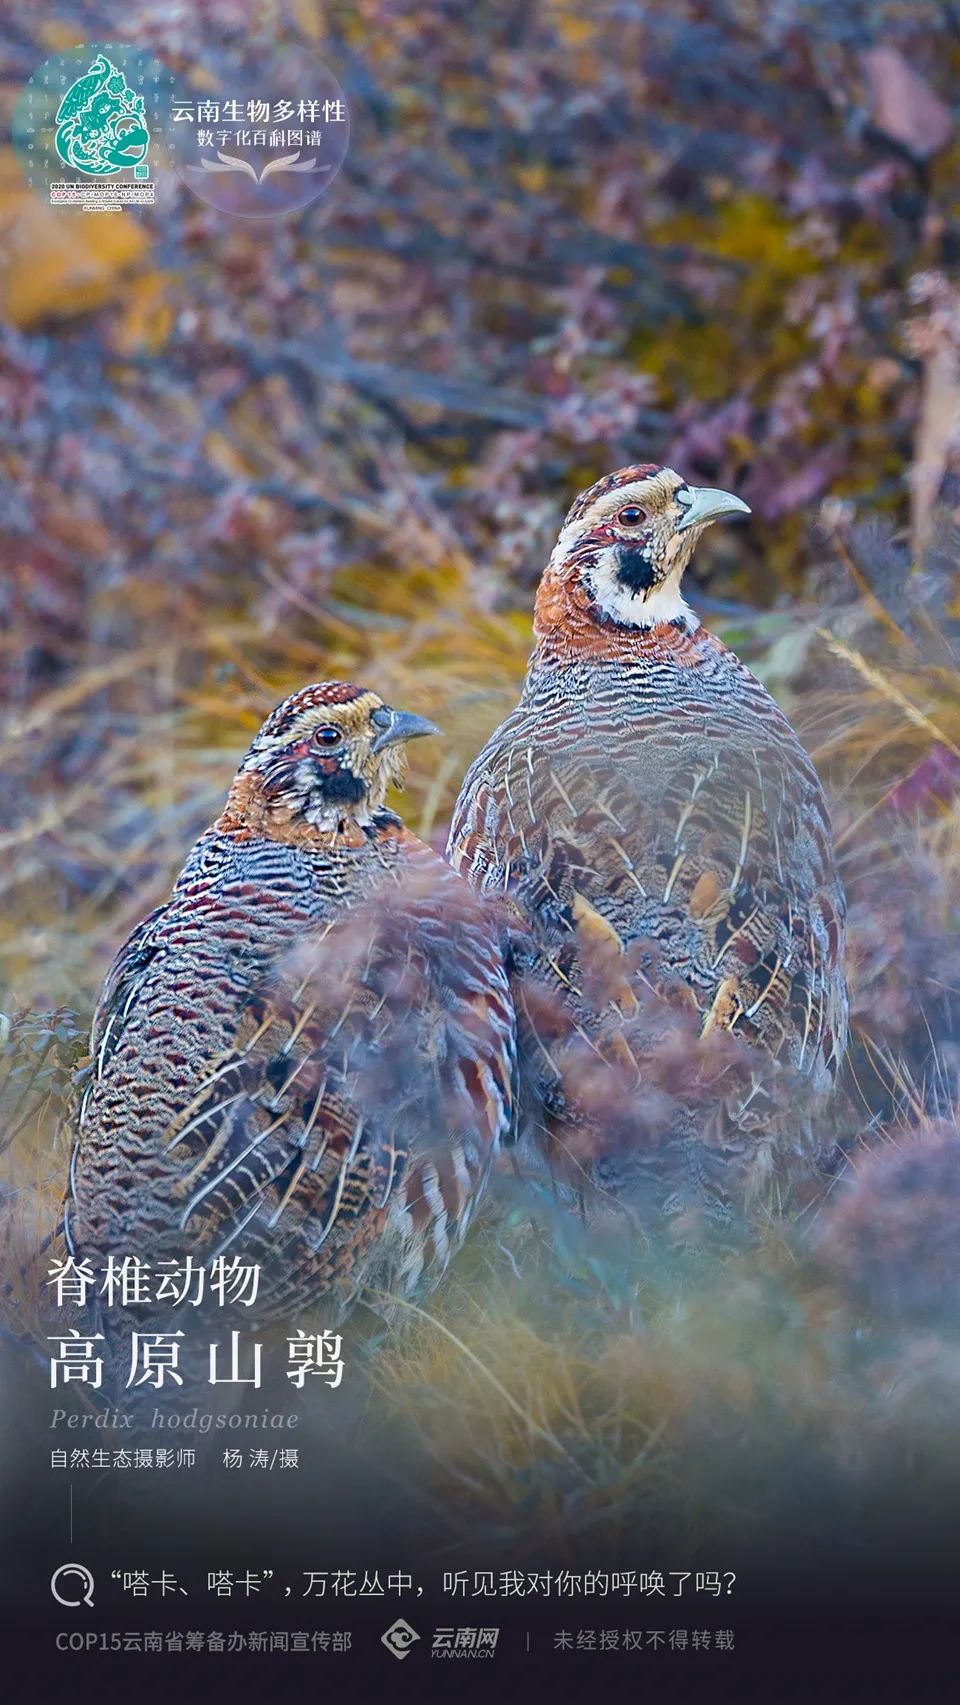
<point>660,829</point>
<point>305,1057</point>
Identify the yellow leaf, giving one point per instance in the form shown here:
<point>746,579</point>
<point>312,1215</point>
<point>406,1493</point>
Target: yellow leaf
<point>533,178</point>
<point>53,263</point>
<point>58,37</point>
<point>147,317</point>
<point>574,31</point>
<point>308,16</point>
<point>220,451</point>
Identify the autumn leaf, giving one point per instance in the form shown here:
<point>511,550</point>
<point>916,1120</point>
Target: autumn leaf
<point>54,264</point>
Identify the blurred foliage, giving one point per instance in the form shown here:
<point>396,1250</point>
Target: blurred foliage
<point>238,456</point>
<point>39,1054</point>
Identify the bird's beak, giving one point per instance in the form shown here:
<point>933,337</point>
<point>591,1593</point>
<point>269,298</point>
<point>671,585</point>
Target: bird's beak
<point>403,726</point>
<point>702,504</point>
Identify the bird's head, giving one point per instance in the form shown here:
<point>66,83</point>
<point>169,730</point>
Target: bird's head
<point>328,754</point>
<point>627,540</point>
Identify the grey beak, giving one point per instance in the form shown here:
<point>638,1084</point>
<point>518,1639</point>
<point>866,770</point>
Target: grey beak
<point>703,504</point>
<point>403,725</point>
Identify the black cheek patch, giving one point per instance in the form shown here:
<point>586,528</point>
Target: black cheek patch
<point>342,787</point>
<point>634,568</point>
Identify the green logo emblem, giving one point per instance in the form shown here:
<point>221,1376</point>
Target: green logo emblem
<point>101,123</point>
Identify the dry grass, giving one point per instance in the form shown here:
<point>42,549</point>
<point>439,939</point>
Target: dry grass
<point>563,1384</point>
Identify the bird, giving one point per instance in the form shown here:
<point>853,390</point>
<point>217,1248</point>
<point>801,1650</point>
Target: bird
<point>306,1055</point>
<point>663,839</point>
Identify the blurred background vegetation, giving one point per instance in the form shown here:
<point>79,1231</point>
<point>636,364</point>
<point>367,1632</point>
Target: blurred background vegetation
<point>236,456</point>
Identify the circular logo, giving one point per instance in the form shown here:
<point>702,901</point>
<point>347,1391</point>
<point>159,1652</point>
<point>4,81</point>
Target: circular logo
<point>88,127</point>
<point>95,127</point>
<point>260,139</point>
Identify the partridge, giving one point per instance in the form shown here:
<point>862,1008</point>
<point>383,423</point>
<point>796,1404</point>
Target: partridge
<point>306,1055</point>
<point>652,818</point>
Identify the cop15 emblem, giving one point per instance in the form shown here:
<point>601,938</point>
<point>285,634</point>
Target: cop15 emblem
<point>101,123</point>
<point>89,128</point>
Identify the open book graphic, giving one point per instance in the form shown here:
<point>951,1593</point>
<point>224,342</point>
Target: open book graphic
<point>284,163</point>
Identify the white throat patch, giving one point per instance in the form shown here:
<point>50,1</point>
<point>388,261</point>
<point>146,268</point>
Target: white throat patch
<point>663,603</point>
<point>330,817</point>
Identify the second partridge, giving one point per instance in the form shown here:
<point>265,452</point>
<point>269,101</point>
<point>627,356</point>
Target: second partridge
<point>653,817</point>
<point>305,1056</point>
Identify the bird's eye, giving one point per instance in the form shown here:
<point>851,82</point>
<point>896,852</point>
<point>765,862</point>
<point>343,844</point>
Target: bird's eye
<point>327,736</point>
<point>631,516</point>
